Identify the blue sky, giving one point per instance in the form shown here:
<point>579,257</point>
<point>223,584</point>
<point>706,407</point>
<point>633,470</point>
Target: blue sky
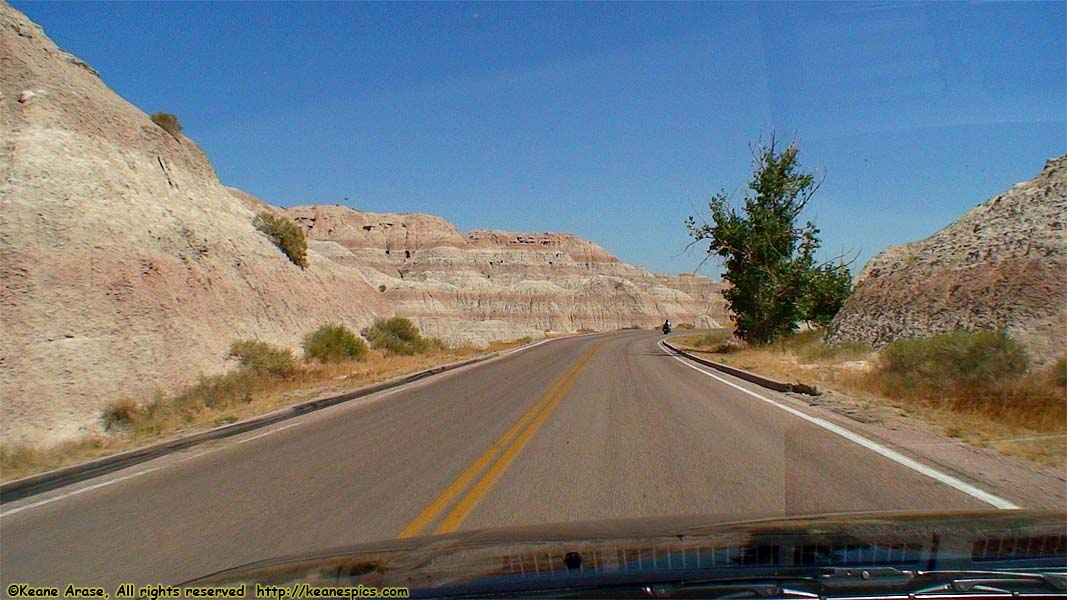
<point>613,121</point>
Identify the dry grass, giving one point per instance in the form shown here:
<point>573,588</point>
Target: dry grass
<point>1023,416</point>
<point>222,399</point>
<point>557,334</point>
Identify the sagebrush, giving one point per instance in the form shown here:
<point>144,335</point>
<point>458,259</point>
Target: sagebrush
<point>334,343</point>
<point>263,358</point>
<point>286,235</point>
<point>168,122</point>
<point>956,362</point>
<point>398,335</point>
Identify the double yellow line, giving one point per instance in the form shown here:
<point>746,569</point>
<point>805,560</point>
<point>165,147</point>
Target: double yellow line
<point>504,451</point>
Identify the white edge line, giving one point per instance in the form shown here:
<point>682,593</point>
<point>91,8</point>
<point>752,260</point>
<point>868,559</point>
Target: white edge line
<point>97,486</point>
<point>256,437</point>
<point>79,491</point>
<point>893,455</point>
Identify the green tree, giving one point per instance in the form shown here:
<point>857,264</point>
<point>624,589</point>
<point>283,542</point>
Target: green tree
<point>768,259</point>
<point>828,287</point>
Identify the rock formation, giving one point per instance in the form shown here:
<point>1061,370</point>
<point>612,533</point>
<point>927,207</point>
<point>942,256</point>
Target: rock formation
<point>1003,264</point>
<point>483,285</point>
<point>126,267</point>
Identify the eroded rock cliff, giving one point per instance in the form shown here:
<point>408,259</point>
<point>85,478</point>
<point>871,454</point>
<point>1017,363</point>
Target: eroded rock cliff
<point>1003,264</point>
<point>483,285</point>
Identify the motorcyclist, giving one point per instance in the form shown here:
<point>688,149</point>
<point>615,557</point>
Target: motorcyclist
<point>667,326</point>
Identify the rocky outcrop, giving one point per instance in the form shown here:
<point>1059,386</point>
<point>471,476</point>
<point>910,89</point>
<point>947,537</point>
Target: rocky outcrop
<point>126,267</point>
<point>483,285</point>
<point>1003,264</point>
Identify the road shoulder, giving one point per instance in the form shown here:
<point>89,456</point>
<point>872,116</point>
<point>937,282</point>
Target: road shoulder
<point>1026,483</point>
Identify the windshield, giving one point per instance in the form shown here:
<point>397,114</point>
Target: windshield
<point>287,279</point>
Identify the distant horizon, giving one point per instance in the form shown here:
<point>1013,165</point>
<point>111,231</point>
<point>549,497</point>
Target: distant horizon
<point>611,122</point>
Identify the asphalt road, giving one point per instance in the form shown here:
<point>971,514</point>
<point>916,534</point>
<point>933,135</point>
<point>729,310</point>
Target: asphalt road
<point>592,427</point>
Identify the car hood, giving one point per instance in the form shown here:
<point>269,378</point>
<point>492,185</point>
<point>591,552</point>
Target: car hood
<point>650,548</point>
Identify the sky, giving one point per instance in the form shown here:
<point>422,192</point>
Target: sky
<point>612,121</point>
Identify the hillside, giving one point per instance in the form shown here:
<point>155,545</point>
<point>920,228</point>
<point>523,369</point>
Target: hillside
<point>127,268</point>
<point>1003,264</point>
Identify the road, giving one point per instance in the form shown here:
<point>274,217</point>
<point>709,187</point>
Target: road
<point>591,427</point>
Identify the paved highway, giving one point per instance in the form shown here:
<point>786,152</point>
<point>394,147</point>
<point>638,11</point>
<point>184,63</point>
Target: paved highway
<point>592,427</point>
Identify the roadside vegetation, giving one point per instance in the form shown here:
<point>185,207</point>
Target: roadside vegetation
<point>399,336</point>
<point>978,386</point>
<point>286,235</point>
<point>264,377</point>
<point>334,343</point>
<point>767,256</point>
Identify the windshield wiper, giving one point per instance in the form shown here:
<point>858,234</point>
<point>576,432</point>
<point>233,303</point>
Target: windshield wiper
<point>985,582</point>
<point>819,583</point>
<point>885,579</point>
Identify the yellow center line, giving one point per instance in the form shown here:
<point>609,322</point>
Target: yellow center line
<point>461,482</point>
<point>467,504</point>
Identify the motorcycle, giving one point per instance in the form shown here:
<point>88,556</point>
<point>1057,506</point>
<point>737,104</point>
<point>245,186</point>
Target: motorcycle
<point>666,329</point>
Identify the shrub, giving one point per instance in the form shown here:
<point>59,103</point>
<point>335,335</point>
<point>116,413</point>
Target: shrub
<point>215,391</point>
<point>685,326</point>
<point>398,335</point>
<point>1059,373</point>
<point>121,414</point>
<point>957,362</point>
<point>168,122</point>
<point>262,358</point>
<point>334,343</point>
<point>286,235</point>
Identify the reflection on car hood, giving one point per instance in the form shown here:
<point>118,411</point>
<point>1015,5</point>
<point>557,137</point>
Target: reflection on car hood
<point>616,550</point>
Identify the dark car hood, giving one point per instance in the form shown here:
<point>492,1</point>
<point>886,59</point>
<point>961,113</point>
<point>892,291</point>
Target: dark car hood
<point>655,547</point>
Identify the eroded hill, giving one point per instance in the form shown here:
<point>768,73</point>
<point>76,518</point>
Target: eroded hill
<point>1001,265</point>
<point>126,267</point>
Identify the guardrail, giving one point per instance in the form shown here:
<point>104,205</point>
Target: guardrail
<point>43,482</point>
<point>760,380</point>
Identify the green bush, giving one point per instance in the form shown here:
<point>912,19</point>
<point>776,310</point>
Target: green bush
<point>398,335</point>
<point>952,362</point>
<point>286,235</point>
<point>262,358</point>
<point>168,122</point>
<point>334,343</point>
